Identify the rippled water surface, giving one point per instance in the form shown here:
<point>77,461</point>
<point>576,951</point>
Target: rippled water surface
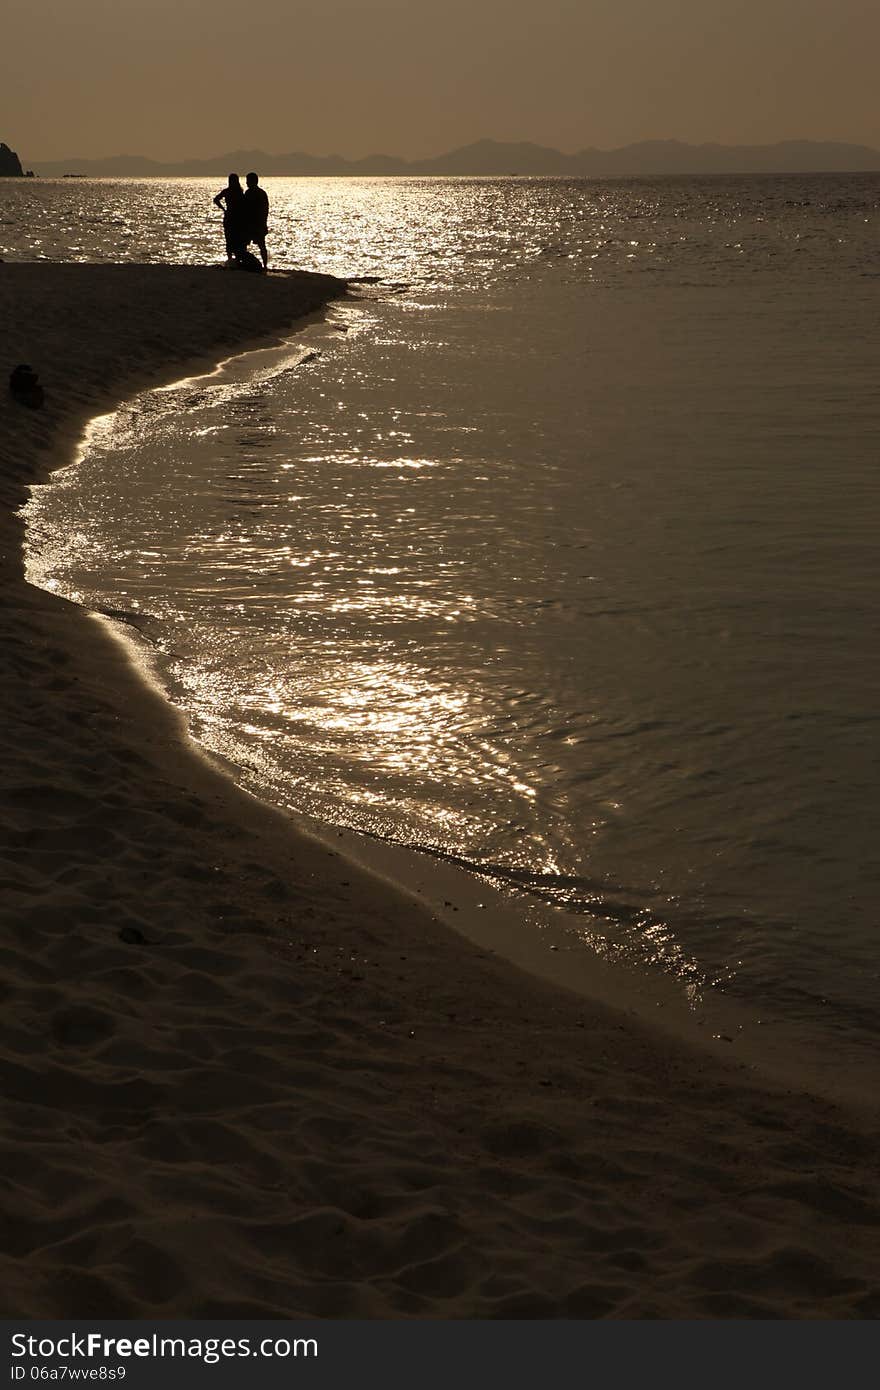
<point>553,551</point>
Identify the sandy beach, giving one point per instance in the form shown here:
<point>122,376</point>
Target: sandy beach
<point>244,1078</point>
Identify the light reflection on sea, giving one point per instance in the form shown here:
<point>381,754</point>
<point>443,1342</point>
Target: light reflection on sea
<point>556,560</point>
<point>463,231</point>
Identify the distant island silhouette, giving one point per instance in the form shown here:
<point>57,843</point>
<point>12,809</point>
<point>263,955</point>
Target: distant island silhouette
<point>10,164</point>
<point>493,157</point>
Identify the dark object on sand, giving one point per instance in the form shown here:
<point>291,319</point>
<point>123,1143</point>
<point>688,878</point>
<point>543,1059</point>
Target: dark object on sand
<point>248,261</point>
<point>25,386</point>
<point>132,936</point>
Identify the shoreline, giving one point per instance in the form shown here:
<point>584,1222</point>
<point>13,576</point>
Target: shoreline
<point>225,1036</point>
<point>540,939</point>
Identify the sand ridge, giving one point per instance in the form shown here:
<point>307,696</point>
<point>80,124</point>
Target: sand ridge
<point>243,1078</point>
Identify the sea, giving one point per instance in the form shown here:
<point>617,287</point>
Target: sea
<point>549,553</point>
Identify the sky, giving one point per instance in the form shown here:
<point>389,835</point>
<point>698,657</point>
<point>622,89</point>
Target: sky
<point>173,79</point>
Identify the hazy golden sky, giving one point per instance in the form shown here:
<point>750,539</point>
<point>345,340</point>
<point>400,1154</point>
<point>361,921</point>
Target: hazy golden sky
<point>176,78</point>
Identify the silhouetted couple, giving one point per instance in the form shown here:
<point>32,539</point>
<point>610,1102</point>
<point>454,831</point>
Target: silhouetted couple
<point>245,219</point>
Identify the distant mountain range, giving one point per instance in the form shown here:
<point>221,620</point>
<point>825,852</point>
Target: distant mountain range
<point>491,157</point>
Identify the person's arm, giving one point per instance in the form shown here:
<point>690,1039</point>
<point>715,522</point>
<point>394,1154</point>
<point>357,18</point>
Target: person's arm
<point>219,199</point>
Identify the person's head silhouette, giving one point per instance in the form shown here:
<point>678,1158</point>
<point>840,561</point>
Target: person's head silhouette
<point>235,181</point>
<point>252,180</point>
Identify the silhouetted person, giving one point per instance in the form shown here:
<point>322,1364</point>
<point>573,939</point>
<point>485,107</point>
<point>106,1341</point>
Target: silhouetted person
<point>257,205</point>
<point>234,217</point>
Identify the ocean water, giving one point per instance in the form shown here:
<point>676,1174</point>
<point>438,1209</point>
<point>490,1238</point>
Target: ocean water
<point>552,551</point>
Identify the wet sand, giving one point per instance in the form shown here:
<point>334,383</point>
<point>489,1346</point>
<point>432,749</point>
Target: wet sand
<point>244,1078</point>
